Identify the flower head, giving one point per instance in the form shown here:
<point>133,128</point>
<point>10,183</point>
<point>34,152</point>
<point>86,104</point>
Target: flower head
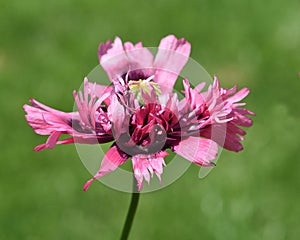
<point>141,115</point>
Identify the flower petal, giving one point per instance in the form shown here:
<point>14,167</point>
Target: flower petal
<point>45,123</point>
<point>225,134</point>
<point>39,105</point>
<point>44,146</point>
<point>140,58</point>
<point>117,59</point>
<point>113,158</point>
<point>239,95</point>
<point>172,55</point>
<point>52,139</point>
<point>146,165</point>
<point>112,58</point>
<point>198,150</point>
<point>119,118</point>
<point>99,90</point>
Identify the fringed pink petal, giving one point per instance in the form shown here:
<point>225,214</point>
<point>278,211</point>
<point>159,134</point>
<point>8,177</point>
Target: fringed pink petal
<point>119,118</point>
<point>99,90</point>
<point>172,55</point>
<point>140,58</point>
<point>225,134</point>
<point>44,146</point>
<point>112,58</point>
<point>239,95</point>
<point>157,163</point>
<point>113,158</point>
<point>44,122</point>
<point>197,150</point>
<point>52,139</point>
<point>41,106</point>
<point>145,165</point>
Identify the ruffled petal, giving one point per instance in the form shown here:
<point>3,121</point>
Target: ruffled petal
<point>113,158</point>
<point>140,58</point>
<point>200,151</point>
<point>119,118</point>
<point>145,165</point>
<point>112,58</point>
<point>225,134</point>
<point>81,125</point>
<point>172,55</point>
<point>99,90</point>
<point>239,95</point>
<point>117,59</point>
<point>45,123</point>
<point>44,146</point>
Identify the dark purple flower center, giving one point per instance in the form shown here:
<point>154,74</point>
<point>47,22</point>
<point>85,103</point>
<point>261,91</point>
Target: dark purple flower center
<point>149,130</point>
<point>136,74</point>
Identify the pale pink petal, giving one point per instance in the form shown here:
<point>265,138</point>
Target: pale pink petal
<point>141,166</point>
<point>117,59</point>
<point>140,58</point>
<point>113,158</point>
<point>157,163</point>
<point>172,55</point>
<point>44,122</point>
<point>199,87</point>
<point>119,118</point>
<point>113,58</point>
<point>99,90</point>
<point>197,150</point>
<point>145,165</point>
<point>39,105</point>
<point>238,96</point>
<point>82,109</point>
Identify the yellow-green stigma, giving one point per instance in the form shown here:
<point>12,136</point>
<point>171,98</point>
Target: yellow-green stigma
<point>136,86</point>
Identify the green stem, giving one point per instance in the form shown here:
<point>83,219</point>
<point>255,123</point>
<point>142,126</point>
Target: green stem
<point>131,212</point>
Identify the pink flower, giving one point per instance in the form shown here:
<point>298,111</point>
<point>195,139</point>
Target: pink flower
<point>141,116</point>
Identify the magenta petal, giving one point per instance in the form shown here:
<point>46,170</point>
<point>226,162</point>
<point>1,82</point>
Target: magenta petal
<point>103,49</point>
<point>113,158</point>
<point>44,146</point>
<point>40,147</point>
<point>198,150</point>
<point>172,55</point>
<point>242,120</point>
<point>225,135</point>
<point>52,139</point>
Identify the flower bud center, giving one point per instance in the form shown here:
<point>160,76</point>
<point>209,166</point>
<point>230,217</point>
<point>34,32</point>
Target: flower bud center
<point>146,86</point>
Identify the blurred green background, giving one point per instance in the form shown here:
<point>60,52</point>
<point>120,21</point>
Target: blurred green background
<point>47,47</point>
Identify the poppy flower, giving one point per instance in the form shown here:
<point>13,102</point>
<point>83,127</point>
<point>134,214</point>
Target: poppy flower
<point>141,115</point>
